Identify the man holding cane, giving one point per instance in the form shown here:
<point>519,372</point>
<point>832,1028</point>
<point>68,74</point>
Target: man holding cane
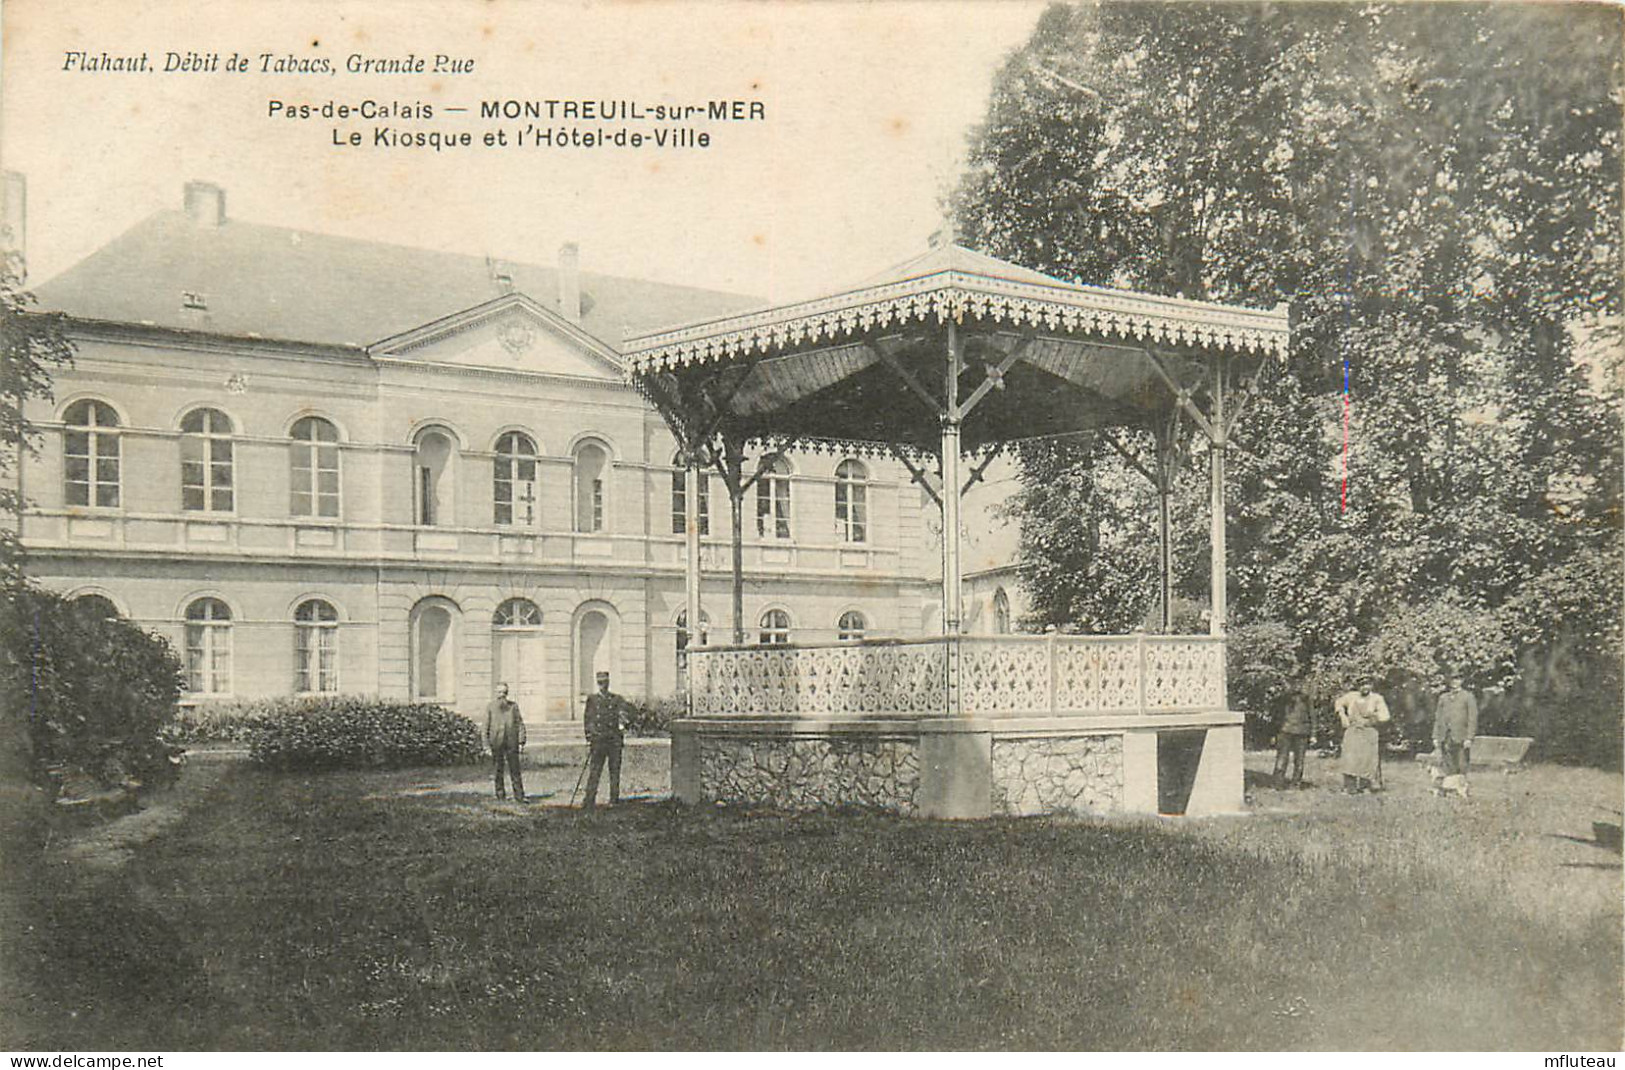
<point>603,722</point>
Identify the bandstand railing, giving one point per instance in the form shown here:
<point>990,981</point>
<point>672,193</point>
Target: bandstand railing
<point>970,676</point>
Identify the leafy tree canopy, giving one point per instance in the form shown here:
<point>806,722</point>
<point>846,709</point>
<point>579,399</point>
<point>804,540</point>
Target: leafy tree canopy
<point>1434,190</point>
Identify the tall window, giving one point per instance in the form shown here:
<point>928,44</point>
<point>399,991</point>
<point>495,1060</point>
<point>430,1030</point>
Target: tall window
<point>316,638</point>
<point>513,475</point>
<point>851,626</point>
<point>314,471</point>
<point>592,484</point>
<point>206,478</point>
<point>775,627</point>
<point>773,501</point>
<point>433,464</point>
<point>682,642</point>
<point>852,501</point>
<point>90,450</point>
<point>679,499</point>
<point>1001,612</point>
<point>208,647</point>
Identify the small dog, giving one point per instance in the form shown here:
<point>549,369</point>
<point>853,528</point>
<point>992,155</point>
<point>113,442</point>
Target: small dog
<point>1454,784</point>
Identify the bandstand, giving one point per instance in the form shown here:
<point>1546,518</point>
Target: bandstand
<point>941,362</point>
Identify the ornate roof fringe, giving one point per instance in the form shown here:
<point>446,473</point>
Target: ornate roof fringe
<point>954,295</point>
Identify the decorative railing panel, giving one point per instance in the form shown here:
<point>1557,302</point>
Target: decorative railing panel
<point>974,676</point>
<point>1096,674</point>
<point>1003,677</point>
<point>1183,673</point>
<point>853,680</point>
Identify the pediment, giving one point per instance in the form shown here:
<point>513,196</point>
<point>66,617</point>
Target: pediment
<point>509,333</point>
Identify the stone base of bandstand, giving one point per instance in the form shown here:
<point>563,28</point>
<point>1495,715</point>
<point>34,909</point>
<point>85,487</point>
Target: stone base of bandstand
<point>965,767</point>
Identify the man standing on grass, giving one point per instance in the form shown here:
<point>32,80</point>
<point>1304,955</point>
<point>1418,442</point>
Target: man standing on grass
<point>1455,723</point>
<point>1362,712</point>
<point>604,721</point>
<point>1292,739</point>
<point>505,734</point>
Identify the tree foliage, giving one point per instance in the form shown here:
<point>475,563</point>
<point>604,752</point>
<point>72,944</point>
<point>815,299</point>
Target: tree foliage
<point>1434,190</point>
<point>97,695</point>
<point>32,345</point>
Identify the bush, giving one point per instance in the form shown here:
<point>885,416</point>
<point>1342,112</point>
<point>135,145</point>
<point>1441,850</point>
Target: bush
<point>97,695</point>
<point>357,732</point>
<point>231,721</point>
<point>653,717</point>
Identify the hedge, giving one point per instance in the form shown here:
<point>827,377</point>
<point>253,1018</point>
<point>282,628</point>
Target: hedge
<point>359,732</point>
<point>653,717</point>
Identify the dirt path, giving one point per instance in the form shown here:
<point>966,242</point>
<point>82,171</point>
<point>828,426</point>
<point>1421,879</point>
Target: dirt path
<point>110,845</point>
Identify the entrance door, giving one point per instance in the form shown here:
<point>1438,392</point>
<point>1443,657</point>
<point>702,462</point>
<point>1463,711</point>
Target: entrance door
<point>517,656</point>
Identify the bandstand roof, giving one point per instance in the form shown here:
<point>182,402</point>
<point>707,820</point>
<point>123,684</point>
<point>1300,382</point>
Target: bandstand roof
<point>1038,356</point>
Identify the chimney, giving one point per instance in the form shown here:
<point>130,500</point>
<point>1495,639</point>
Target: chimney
<point>205,204</point>
<point>570,281</point>
<point>14,224</point>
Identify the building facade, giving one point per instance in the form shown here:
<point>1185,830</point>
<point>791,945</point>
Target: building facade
<point>320,465</point>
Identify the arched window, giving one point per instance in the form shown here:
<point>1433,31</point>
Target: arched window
<point>96,606</point>
<point>679,499</point>
<point>592,485</point>
<point>435,489</point>
<point>682,642</point>
<point>90,450</point>
<point>852,501</point>
<point>206,476</point>
<point>1001,612</point>
<point>513,480</point>
<point>773,501</point>
<point>314,469</point>
<point>208,647</point>
<point>775,627</point>
<point>851,626</point>
<point>316,647</point>
<point>517,613</point>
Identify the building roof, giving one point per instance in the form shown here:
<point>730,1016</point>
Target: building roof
<point>277,283</point>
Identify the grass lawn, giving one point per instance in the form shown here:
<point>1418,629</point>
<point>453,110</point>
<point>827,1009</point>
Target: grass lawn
<point>408,910</point>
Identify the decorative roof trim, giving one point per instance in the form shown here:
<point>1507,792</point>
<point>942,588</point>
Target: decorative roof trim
<point>952,295</point>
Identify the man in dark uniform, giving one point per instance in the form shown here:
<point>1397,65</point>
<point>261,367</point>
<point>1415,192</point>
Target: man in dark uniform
<point>505,734</point>
<point>603,723</point>
<point>1292,739</point>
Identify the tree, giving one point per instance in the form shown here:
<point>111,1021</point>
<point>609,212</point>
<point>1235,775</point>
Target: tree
<point>32,345</point>
<point>1435,190</point>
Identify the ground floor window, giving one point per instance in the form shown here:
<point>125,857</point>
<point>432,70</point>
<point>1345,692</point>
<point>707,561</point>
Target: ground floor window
<point>775,628</point>
<point>682,642</point>
<point>208,647</point>
<point>316,647</point>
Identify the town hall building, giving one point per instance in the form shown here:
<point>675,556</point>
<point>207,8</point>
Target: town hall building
<point>322,465</point>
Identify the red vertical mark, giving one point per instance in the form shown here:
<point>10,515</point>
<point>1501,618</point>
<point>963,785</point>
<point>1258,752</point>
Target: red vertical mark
<point>1347,405</point>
